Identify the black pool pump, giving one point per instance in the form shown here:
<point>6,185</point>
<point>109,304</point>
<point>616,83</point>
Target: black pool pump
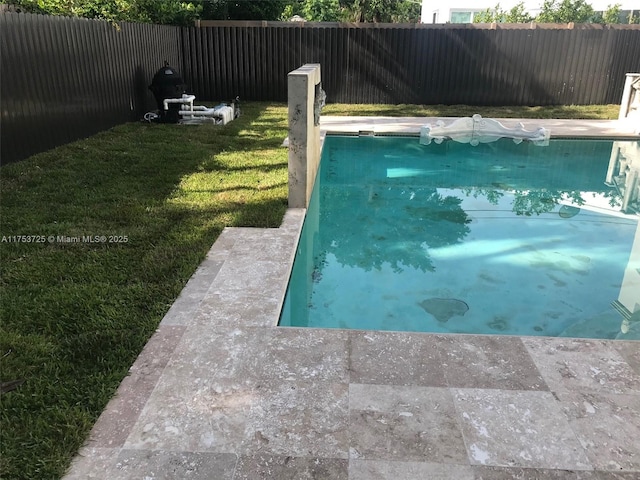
<point>167,83</point>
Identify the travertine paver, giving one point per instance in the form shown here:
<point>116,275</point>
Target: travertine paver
<point>390,358</point>
<point>383,470</point>
<point>290,468</point>
<point>264,276</point>
<point>582,365</point>
<point>219,392</point>
<point>630,351</point>
<point>160,465</point>
<point>276,355</point>
<point>93,463</point>
<point>391,422</point>
<point>518,428</point>
<point>283,418</point>
<point>473,361</point>
<point>113,426</point>
<point>607,426</point>
<point>245,308</point>
<point>515,473</point>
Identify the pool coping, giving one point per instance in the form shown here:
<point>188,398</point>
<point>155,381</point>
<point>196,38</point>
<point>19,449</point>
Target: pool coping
<point>219,339</point>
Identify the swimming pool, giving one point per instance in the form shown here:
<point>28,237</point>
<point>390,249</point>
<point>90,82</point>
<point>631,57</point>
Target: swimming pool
<point>494,239</point>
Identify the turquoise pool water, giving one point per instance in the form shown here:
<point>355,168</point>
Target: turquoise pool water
<point>493,239</point>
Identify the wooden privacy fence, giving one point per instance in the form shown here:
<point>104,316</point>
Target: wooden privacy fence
<point>67,78</point>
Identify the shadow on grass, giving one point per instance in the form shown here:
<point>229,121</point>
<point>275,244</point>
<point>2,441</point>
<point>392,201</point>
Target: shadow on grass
<point>77,314</point>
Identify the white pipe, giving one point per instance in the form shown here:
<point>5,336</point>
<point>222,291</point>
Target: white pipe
<point>185,100</point>
<point>221,112</point>
<point>201,113</point>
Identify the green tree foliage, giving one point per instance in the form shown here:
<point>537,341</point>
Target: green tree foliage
<point>489,16</point>
<point>517,14</point>
<point>180,12</point>
<point>565,11</point>
<point>244,9</point>
<point>553,11</point>
<point>291,9</point>
<point>173,12</point>
<point>382,11</point>
<point>612,14</point>
<point>321,10</point>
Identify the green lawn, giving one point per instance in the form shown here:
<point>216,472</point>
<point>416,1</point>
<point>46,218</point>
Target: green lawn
<point>562,112</point>
<point>76,315</point>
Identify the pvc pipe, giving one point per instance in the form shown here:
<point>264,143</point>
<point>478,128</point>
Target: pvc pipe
<point>221,112</point>
<point>185,100</point>
<point>198,113</point>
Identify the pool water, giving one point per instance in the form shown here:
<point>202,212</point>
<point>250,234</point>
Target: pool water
<point>494,239</point>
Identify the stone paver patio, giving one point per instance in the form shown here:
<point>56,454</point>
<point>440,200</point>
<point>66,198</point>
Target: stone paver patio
<point>220,392</point>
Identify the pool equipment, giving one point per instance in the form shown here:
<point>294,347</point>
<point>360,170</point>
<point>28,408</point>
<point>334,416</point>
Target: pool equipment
<point>176,106</point>
<point>475,130</point>
<point>196,114</point>
<point>167,84</point>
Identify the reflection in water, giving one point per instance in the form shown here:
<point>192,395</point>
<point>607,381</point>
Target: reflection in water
<point>369,234</point>
<point>623,174</point>
<point>497,239</point>
<point>539,201</point>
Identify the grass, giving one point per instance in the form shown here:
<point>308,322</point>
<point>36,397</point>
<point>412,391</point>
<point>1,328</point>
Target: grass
<point>76,315</point>
<point>562,111</point>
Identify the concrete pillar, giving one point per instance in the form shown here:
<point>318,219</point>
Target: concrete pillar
<point>304,133</point>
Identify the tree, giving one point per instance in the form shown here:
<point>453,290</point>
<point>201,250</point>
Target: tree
<point>243,9</point>
<point>611,14</point>
<point>170,12</point>
<point>290,9</point>
<point>381,11</point>
<point>489,16</point>
<point>321,10</point>
<point>565,11</point>
<point>387,11</point>
<point>517,14</point>
<point>174,12</point>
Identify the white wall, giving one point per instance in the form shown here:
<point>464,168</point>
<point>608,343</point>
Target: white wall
<point>443,8</point>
